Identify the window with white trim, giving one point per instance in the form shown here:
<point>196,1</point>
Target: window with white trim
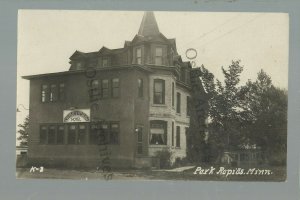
<point>158,132</point>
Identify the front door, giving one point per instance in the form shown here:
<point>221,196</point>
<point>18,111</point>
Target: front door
<point>139,136</point>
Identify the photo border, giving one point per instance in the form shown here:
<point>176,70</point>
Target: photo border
<point>11,188</point>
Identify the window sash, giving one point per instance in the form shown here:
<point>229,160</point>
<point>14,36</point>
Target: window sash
<point>140,149</point>
<point>140,88</point>
<point>173,94</point>
<point>158,60</point>
<point>139,56</point>
<point>178,108</point>
<point>188,106</point>
<point>114,133</point>
<point>115,87</point>
<point>45,93</point>
<point>62,92</point>
<point>158,132</point>
<point>104,62</point>
<point>105,88</point>
<point>178,136</point>
<point>51,134</point>
<point>158,55</point>
<point>43,134</point>
<point>53,93</point>
<point>72,134</point>
<point>172,133</point>
<point>140,134</point>
<point>81,139</point>
<point>93,135</point>
<point>159,92</point>
<point>60,135</point>
<point>158,51</point>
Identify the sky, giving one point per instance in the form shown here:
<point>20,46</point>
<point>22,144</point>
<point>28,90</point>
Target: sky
<point>47,38</point>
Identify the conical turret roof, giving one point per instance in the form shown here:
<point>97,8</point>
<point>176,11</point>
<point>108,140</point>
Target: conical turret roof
<point>149,25</point>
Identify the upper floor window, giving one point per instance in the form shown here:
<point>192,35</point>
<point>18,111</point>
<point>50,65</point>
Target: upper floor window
<point>53,92</point>
<point>79,65</point>
<point>140,87</point>
<point>45,93</point>
<point>94,90</point>
<point>62,91</point>
<point>188,105</point>
<point>159,91</point>
<point>173,94</point>
<point>158,56</point>
<point>139,56</point>
<point>104,62</point>
<point>158,132</point>
<point>115,87</point>
<point>104,88</point>
<point>178,107</point>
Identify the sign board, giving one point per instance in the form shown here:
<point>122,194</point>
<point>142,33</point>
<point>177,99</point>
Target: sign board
<point>77,115</point>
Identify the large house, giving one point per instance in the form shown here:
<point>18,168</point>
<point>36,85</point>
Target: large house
<point>135,101</point>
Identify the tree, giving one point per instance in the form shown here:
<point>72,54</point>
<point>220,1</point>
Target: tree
<point>266,122</point>
<point>225,107</point>
<point>241,115</point>
<point>24,132</point>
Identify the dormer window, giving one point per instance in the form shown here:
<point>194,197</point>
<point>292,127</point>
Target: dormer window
<point>158,56</point>
<point>104,62</point>
<point>79,65</point>
<point>139,56</point>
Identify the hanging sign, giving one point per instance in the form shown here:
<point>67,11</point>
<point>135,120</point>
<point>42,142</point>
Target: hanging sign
<point>77,115</point>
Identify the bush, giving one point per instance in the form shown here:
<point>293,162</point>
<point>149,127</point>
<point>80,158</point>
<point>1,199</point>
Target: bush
<point>164,157</point>
<point>180,162</point>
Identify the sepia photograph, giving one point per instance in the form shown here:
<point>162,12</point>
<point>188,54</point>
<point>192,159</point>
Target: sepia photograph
<point>152,95</point>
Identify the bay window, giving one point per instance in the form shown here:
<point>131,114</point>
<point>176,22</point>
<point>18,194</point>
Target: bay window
<point>158,132</point>
<point>158,56</point>
<point>178,107</point>
<point>138,56</point>
<point>159,91</point>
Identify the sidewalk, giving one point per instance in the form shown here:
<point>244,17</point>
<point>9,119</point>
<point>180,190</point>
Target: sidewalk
<point>179,169</point>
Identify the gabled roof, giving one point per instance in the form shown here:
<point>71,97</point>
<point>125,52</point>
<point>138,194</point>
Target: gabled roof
<point>106,51</point>
<point>77,54</point>
<point>127,43</point>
